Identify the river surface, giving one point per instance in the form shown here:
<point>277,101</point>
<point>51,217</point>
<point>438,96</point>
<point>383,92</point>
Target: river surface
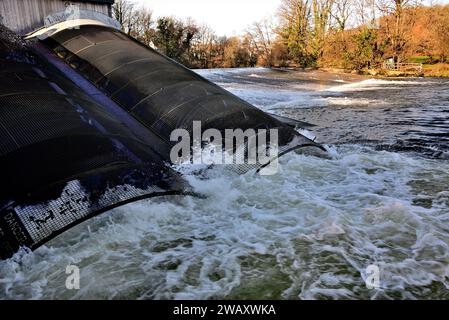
<point>309,232</point>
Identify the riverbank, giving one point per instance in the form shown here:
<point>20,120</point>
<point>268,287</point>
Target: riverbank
<point>329,74</point>
<point>326,74</point>
<point>438,70</point>
<point>435,70</point>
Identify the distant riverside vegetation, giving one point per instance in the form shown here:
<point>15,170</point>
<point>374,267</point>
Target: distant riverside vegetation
<point>344,34</point>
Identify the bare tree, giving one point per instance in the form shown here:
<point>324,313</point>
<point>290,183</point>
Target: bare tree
<point>365,12</point>
<point>124,13</point>
<point>341,12</point>
<point>397,25</point>
<point>261,34</point>
<point>295,17</point>
<point>440,31</point>
<point>321,10</point>
<point>143,27</point>
<point>204,46</point>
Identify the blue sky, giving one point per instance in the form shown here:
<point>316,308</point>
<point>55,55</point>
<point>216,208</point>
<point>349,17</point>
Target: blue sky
<point>226,17</point>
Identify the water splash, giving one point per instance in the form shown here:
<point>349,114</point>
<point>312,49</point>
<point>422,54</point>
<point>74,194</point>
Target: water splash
<point>307,233</point>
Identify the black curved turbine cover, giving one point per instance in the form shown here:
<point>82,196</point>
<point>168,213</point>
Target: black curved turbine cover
<point>162,94</point>
<point>63,157</point>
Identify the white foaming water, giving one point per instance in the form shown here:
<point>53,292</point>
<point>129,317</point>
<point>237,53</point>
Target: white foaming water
<point>298,95</point>
<point>269,98</point>
<point>308,232</point>
<point>375,84</point>
<point>227,71</point>
<point>346,101</point>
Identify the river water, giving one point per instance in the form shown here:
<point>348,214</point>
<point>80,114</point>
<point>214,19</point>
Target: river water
<point>309,232</point>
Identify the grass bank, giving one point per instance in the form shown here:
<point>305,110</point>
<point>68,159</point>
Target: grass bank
<point>436,70</point>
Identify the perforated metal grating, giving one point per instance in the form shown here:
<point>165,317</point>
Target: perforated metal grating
<point>157,91</point>
<point>63,157</point>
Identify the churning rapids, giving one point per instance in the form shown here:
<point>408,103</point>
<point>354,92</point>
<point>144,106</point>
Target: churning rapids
<point>308,232</point>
